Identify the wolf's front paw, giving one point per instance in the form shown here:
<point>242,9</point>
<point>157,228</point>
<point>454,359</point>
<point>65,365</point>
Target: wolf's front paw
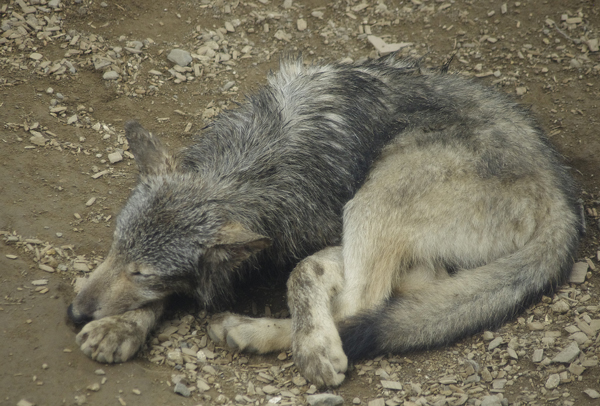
<point>320,358</point>
<point>110,339</point>
<point>243,333</point>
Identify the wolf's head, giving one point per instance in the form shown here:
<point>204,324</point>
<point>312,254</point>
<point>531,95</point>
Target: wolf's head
<point>172,237</point>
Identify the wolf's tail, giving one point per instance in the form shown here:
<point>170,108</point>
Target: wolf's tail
<point>472,300</point>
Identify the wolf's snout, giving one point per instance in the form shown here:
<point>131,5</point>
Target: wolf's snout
<point>77,317</point>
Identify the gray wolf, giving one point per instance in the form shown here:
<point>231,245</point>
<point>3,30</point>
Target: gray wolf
<point>419,206</point>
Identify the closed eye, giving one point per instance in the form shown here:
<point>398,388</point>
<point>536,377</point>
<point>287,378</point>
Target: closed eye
<point>143,275</point>
<point>141,271</point>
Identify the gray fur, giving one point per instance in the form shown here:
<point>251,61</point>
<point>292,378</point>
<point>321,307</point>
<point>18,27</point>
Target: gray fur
<point>435,180</point>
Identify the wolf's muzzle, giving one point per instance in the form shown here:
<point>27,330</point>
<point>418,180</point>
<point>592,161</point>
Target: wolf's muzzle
<point>77,317</point>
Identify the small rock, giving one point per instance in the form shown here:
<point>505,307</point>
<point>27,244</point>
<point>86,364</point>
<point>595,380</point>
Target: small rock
<point>593,45</point>
<point>486,375</point>
<point>175,356</point>
<point>576,369</point>
<point>356,401</point>
<point>521,90</point>
<point>270,389</point>
<point>115,157</point>
<point>101,63</point>
<point>298,381</point>
<point>38,140</point>
<point>36,56</point>
<point>301,24</point>
<point>382,374</point>
<point>95,387</point>
<point>176,378</point>
<point>180,57</point>
<point>40,282</point>
<point>100,372</point>
<point>535,326</point>
<point>81,266</point>
<point>590,363</point>
<point>228,85</point>
<point>324,399</point>
<point>392,385</point>
<point>222,399</point>
<point>538,355</point>
<point>283,36</point>
<point>592,393</point>
<point>448,380</point>
<point>182,390</point>
<point>495,343</point>
<point>512,353</point>
<point>46,268</point>
<point>579,273</point>
<point>553,381</point>
<point>488,336</point>
<point>202,386</point>
<point>209,369</point>
<point>110,75</point>
<point>384,48</point>
<point>579,337</point>
<point>567,355</point>
<point>72,119</point>
<point>377,402</point>
<point>472,379</point>
<point>499,383</point>
<point>491,401</point>
<point>574,63</point>
<point>560,307</point>
<point>24,402</point>
<point>229,27</point>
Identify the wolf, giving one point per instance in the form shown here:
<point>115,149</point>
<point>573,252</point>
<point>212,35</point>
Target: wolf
<point>416,207</point>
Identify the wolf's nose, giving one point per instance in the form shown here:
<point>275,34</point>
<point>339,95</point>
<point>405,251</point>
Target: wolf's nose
<point>76,317</point>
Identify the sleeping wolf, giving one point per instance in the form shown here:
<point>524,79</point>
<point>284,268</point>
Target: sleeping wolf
<point>423,207</point>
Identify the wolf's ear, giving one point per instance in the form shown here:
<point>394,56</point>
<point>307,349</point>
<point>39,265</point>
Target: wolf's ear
<point>150,155</point>
<point>237,243</point>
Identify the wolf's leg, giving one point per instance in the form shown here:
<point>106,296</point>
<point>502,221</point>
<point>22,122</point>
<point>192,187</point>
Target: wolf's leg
<point>258,335</point>
<point>118,338</point>
<point>313,290</point>
<point>311,332</point>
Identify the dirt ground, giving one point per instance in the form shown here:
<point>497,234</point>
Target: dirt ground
<point>73,71</point>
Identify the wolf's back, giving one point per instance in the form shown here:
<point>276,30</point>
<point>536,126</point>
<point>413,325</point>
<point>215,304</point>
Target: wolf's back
<point>287,161</point>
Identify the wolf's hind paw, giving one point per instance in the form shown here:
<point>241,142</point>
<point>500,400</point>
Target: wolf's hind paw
<point>111,339</point>
<point>320,357</point>
<point>243,333</point>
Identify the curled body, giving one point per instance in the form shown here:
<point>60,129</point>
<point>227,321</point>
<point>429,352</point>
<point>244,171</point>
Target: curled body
<point>419,207</point>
